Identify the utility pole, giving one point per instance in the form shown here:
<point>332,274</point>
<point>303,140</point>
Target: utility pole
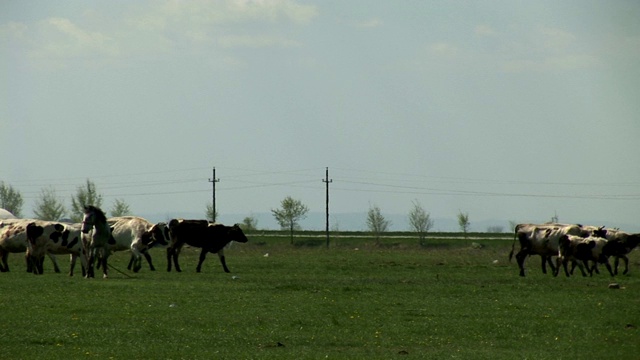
<point>213,181</point>
<point>327,181</point>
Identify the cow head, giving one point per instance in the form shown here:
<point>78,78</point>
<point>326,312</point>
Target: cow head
<point>236,234</point>
<point>159,234</point>
<point>600,232</point>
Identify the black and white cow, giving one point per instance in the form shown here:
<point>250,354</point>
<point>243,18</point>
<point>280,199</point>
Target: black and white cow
<point>202,234</point>
<point>619,245</point>
<point>580,251</point>
<point>542,239</point>
<point>13,239</point>
<point>46,237</point>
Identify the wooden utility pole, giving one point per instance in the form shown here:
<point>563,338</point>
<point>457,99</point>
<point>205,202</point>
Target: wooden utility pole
<point>327,181</point>
<point>213,181</point>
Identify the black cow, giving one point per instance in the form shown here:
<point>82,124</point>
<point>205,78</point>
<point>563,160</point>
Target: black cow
<point>202,234</point>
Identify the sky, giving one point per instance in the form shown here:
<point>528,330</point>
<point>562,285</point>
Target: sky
<point>507,110</point>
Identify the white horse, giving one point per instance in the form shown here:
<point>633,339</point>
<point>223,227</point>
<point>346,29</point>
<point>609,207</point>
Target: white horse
<point>97,243</point>
<point>138,235</point>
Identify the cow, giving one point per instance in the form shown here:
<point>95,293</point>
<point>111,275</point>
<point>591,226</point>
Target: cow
<point>46,237</point>
<point>619,244</point>
<point>13,239</point>
<point>200,233</point>
<point>579,249</point>
<point>138,235</point>
<point>542,239</point>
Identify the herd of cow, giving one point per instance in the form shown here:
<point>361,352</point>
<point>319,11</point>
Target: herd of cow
<point>93,240</point>
<point>96,237</point>
<point>578,244</point>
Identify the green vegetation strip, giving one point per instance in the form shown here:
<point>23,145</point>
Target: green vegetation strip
<point>356,300</point>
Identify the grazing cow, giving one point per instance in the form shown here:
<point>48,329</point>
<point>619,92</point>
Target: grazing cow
<point>46,237</point>
<point>540,240</point>
<point>619,244</point>
<point>138,235</point>
<point>200,233</point>
<point>576,249</point>
<point>13,239</point>
<point>97,243</point>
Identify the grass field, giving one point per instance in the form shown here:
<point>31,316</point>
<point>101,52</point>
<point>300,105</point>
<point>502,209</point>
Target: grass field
<point>356,300</point>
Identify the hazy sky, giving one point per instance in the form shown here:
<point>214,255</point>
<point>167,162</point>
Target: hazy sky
<point>514,110</point>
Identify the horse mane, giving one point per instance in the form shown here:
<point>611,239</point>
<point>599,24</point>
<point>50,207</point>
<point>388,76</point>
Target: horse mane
<point>100,216</point>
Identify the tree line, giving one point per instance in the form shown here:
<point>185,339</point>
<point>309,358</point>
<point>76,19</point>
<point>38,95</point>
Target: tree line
<point>50,207</point>
<point>291,211</point>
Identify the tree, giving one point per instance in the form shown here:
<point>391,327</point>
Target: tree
<point>250,223</point>
<point>420,221</point>
<point>48,207</point>
<point>10,199</point>
<point>291,211</point>
<point>555,219</point>
<point>85,195</point>
<point>120,208</point>
<point>209,213</point>
<point>376,222</point>
<point>463,222</point>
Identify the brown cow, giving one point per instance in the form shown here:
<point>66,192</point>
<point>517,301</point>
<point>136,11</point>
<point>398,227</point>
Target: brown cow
<point>202,234</point>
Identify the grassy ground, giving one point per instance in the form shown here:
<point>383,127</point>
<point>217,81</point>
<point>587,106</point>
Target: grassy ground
<point>356,300</point>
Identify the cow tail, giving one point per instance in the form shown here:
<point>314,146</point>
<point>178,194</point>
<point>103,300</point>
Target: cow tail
<point>513,245</point>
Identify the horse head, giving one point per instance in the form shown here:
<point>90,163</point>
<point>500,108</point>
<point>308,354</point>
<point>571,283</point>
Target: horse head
<point>93,217</point>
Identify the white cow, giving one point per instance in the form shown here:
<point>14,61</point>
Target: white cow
<point>138,235</point>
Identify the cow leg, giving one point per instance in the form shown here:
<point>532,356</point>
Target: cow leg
<point>581,267</point>
<point>5,263</point>
<point>203,255</point>
<point>549,260</point>
<point>222,261</point>
<point>544,264</point>
<point>603,259</point>
<point>626,264</point>
<point>39,266</point>
<point>131,260</point>
<point>176,254</point>
<point>564,266</point>
<point>558,266</point>
<point>136,259</point>
<point>520,257</point>
<point>56,268</point>
<point>169,257</point>
<point>72,263</point>
<point>147,256</point>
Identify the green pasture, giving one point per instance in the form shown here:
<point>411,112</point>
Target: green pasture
<point>359,299</point>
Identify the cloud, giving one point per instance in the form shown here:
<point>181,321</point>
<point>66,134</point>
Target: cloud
<point>258,41</point>
<point>444,49</point>
<point>555,39</point>
<point>551,63</point>
<point>484,30</point>
<point>155,28</point>
<point>371,23</point>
